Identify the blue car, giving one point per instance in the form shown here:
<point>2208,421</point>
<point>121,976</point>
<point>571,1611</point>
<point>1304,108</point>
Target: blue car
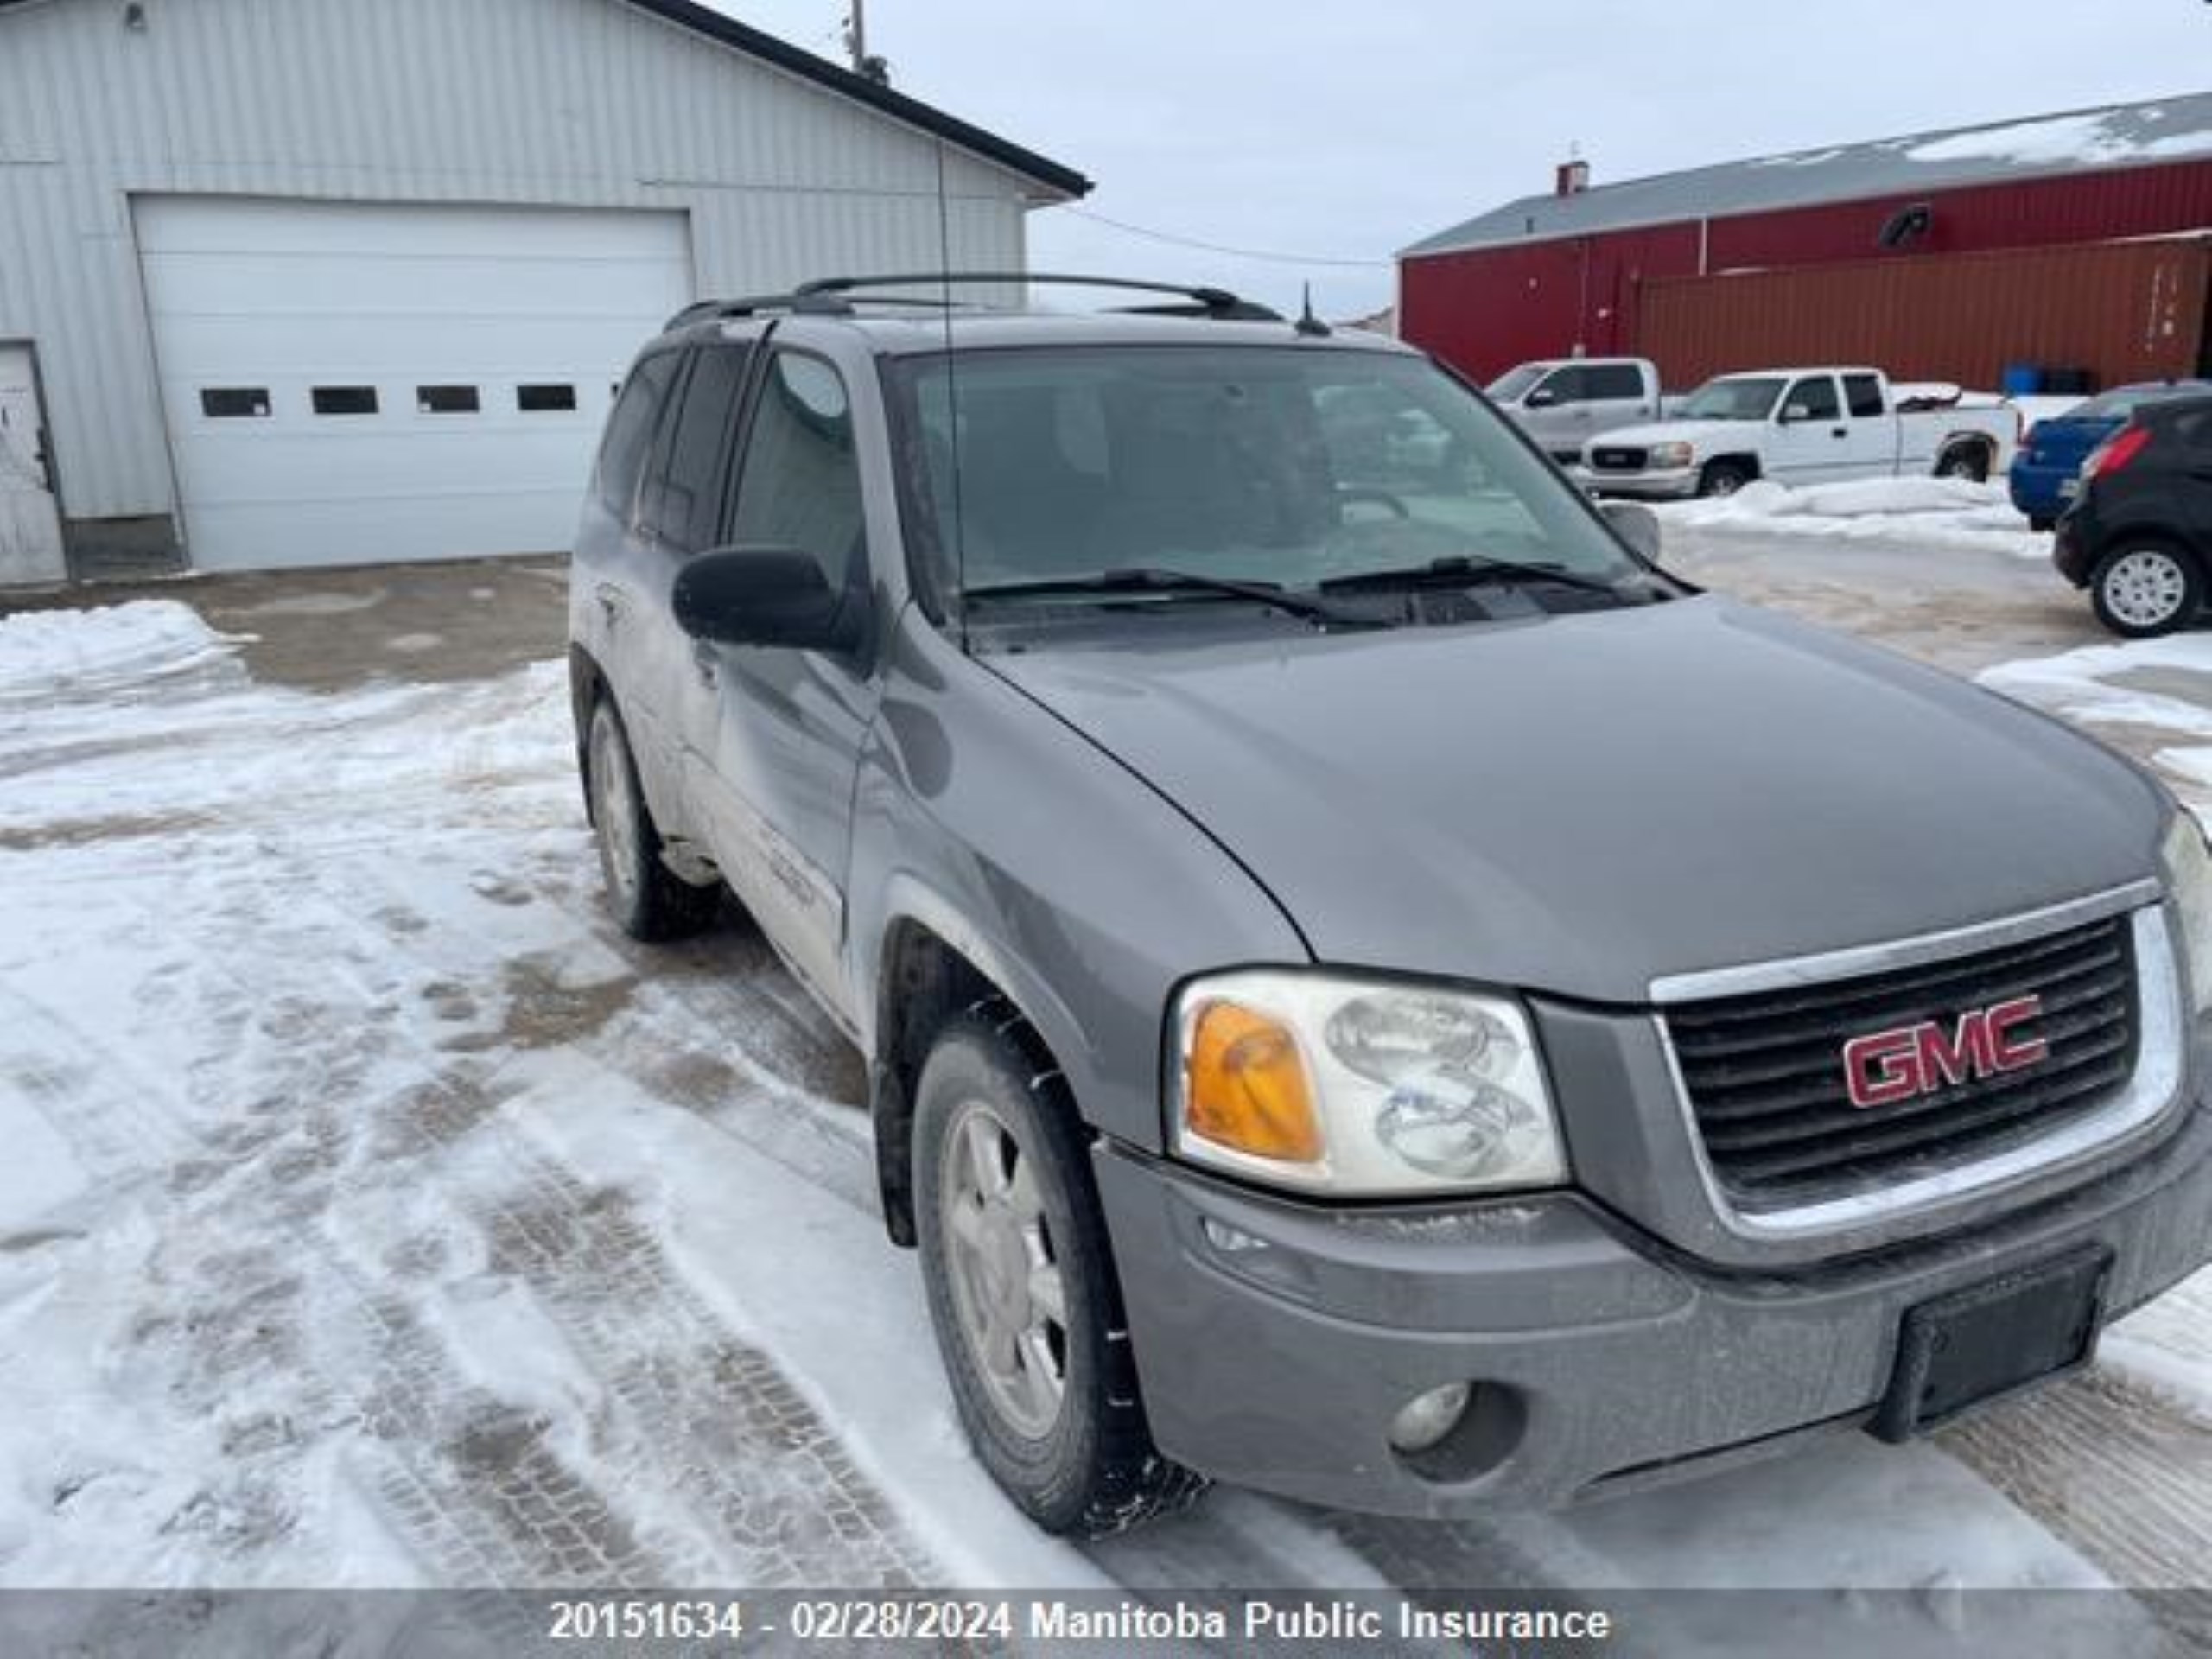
<point>2046,472</point>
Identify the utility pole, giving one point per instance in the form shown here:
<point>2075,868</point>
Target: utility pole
<point>869,67</point>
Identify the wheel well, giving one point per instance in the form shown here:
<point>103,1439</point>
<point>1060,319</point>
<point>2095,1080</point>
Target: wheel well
<point>586,685</point>
<point>1747,465</point>
<point>924,983</point>
<point>1980,442</point>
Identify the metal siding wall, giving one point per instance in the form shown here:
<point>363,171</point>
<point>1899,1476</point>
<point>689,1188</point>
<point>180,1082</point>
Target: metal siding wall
<point>575,103</point>
<point>1483,312</point>
<point>2042,213</point>
<point>2129,311</point>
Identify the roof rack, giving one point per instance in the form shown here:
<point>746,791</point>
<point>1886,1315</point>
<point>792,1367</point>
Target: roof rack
<point>835,296</point>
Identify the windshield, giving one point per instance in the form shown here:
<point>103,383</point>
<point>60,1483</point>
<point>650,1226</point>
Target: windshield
<point>1732,400</point>
<point>1289,465</point>
<point>1511,385</point>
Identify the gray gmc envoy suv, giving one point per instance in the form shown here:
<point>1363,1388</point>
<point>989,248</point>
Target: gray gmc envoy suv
<point>1372,989</point>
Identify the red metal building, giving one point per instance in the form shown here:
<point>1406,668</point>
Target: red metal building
<point>1572,271</point>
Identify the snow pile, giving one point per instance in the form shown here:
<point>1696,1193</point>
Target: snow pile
<point>55,656</point>
<point>2057,140</point>
<point>2142,684</point>
<point>1931,511</point>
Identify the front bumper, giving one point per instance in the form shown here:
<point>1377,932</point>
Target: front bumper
<point>1677,484</point>
<point>1276,1341</point>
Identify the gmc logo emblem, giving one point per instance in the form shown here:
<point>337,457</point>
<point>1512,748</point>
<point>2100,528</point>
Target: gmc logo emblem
<point>1888,1066</point>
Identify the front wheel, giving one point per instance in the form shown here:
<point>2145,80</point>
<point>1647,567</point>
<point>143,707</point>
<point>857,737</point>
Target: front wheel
<point>1723,478</point>
<point>1021,1286</point>
<point>2141,591</point>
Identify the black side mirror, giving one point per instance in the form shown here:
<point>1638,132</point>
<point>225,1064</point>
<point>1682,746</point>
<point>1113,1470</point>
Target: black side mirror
<point>1636,524</point>
<point>775,596</point>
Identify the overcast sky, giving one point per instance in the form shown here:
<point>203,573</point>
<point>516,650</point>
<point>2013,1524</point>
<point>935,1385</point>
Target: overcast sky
<point>1343,132</point>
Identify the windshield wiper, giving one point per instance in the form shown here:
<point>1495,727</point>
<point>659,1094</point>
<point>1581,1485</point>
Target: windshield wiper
<point>1146,579</point>
<point>1462,571</point>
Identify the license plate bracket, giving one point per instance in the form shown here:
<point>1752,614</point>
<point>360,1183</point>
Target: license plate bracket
<point>1981,1344</point>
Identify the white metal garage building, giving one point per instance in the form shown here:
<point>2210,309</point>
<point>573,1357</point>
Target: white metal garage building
<point>336,282</point>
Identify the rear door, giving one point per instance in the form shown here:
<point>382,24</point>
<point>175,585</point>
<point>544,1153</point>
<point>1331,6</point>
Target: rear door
<point>1875,432</point>
<point>770,778</point>
<point>30,519</point>
<point>1810,441</point>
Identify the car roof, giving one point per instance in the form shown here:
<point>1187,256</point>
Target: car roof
<point>2175,408</point>
<point>906,333</point>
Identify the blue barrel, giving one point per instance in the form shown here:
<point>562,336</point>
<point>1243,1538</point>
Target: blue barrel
<point>2023,379</point>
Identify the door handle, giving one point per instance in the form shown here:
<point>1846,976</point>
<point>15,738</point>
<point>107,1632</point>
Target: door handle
<point>1838,432</point>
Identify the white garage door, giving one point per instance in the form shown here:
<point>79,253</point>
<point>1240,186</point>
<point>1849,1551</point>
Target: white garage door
<point>351,384</point>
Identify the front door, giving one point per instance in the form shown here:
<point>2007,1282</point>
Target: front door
<point>1811,440</point>
<point>772,782</point>
<point>30,519</point>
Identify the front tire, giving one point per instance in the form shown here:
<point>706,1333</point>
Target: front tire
<point>648,900</point>
<point>1021,1286</point>
<point>2142,590</point>
<point>1723,478</point>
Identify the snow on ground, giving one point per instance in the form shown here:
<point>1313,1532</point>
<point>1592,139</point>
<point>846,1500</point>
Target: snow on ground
<point>2154,686</point>
<point>1933,512</point>
<point>375,1214</point>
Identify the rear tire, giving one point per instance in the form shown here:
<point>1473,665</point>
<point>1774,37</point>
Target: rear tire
<point>1021,1286</point>
<point>1723,478</point>
<point>1966,461</point>
<point>2143,589</point>
<point>2042,523</point>
<point>649,901</point>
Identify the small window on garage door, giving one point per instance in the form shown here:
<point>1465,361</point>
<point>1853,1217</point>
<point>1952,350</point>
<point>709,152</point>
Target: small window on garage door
<point>235,402</point>
<point>447,400</point>
<point>344,400</point>
<point>548,398</point>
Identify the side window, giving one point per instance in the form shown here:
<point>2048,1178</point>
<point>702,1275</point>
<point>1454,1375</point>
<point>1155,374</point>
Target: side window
<point>1614,383</point>
<point>630,431</point>
<point>1865,393</point>
<point>1566,385</point>
<point>2196,432</point>
<point>801,483</point>
<point>1815,394</point>
<point>688,513</point>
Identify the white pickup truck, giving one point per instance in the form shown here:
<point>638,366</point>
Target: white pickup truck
<point>1803,426</point>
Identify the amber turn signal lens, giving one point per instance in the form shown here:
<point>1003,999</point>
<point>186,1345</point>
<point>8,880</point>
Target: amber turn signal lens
<point>1245,1087</point>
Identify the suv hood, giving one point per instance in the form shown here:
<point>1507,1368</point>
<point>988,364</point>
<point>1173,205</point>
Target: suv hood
<point>1582,804</point>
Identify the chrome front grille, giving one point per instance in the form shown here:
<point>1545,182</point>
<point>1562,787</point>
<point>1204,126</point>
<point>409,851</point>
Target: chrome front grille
<point>1766,1081</point>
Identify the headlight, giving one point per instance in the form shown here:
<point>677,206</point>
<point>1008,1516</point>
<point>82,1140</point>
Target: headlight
<point>2188,868</point>
<point>1671,454</point>
<point>1362,1088</point>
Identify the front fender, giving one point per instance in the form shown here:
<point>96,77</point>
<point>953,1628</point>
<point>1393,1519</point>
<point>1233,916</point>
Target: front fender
<point>1072,884</point>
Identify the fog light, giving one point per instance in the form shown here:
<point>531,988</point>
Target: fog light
<point>1427,1419</point>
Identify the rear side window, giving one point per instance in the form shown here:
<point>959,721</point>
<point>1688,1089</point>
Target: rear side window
<point>630,431</point>
<point>688,512</point>
<point>1620,383</point>
<point>801,484</point>
<point>1864,392</point>
<point>1815,394</point>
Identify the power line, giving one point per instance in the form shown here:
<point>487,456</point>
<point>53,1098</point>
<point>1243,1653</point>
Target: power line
<point>1216,247</point>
